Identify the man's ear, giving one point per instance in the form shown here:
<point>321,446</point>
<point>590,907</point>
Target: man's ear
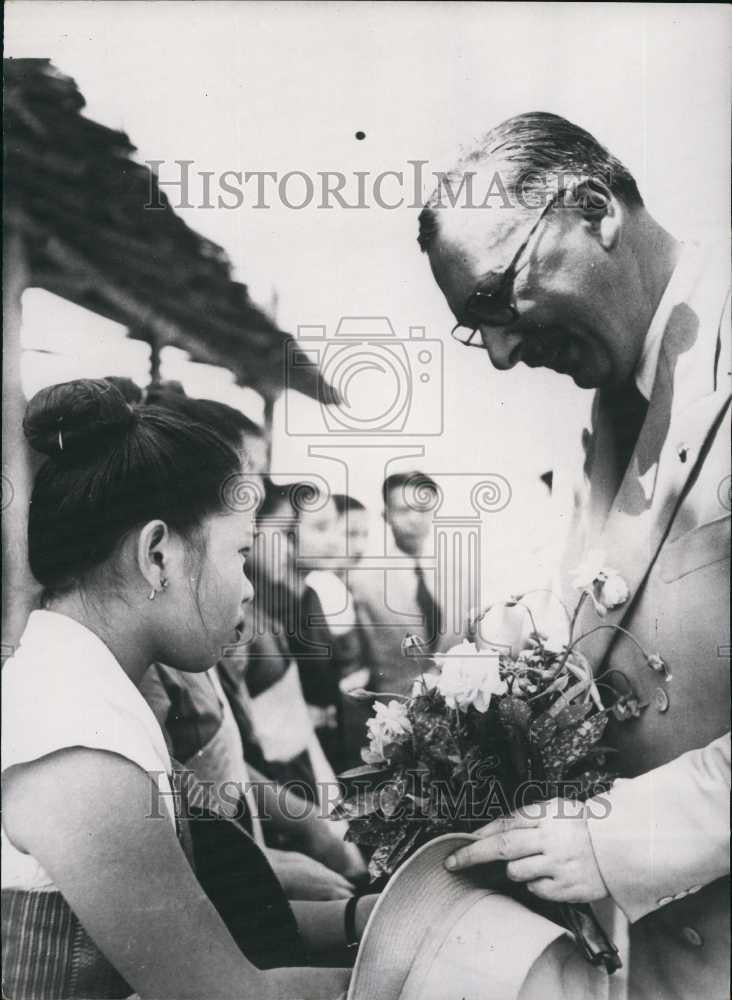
<point>153,550</point>
<point>600,209</point>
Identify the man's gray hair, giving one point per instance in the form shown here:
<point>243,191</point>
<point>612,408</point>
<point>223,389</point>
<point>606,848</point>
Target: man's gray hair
<point>528,148</point>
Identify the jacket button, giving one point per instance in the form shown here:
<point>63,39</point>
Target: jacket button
<point>692,937</point>
<point>660,699</point>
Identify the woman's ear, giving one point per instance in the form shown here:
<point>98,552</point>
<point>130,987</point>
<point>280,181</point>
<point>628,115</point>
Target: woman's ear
<point>153,551</point>
<point>601,210</point>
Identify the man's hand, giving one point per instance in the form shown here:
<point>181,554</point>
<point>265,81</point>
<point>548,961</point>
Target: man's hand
<point>303,878</point>
<point>547,846</point>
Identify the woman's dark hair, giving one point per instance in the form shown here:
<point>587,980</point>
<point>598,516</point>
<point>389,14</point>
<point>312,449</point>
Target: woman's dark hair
<point>111,466</point>
<point>226,420</point>
<point>129,389</point>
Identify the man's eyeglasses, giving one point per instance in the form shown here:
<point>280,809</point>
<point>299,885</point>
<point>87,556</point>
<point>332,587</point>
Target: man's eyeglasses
<point>493,306</point>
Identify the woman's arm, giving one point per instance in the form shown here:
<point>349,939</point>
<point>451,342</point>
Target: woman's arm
<point>290,813</point>
<point>322,926</point>
<point>84,815</point>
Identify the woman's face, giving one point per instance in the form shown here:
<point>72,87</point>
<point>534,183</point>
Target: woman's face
<point>209,600</point>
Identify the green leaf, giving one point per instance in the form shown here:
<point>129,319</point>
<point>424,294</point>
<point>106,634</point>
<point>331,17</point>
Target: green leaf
<point>515,712</point>
<point>368,831</point>
<point>566,699</point>
<point>571,745</point>
<point>363,804</point>
<point>542,729</point>
<point>364,771</point>
<point>572,715</point>
<point>396,841</point>
<point>403,847</point>
<point>390,797</point>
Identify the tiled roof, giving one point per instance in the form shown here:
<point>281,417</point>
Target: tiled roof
<point>77,196</point>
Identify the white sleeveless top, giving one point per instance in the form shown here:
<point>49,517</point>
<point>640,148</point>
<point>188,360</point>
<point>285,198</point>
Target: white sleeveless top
<point>64,688</point>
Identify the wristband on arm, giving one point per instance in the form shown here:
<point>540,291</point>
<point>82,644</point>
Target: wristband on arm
<point>349,922</point>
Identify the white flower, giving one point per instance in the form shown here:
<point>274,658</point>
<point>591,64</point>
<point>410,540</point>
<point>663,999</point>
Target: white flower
<point>605,586</point>
<point>593,563</point>
<point>469,677</point>
<point>389,724</point>
<point>613,591</point>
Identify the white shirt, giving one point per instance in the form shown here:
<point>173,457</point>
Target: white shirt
<point>676,291</point>
<point>64,688</point>
<point>335,600</point>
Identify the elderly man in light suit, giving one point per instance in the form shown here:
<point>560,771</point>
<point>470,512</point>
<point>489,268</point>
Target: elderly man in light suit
<point>574,274</point>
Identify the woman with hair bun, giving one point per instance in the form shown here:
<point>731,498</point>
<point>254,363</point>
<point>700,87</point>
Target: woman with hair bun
<point>141,561</point>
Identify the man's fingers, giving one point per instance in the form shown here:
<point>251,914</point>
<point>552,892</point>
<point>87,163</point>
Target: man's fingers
<point>518,843</point>
<point>466,857</point>
<point>544,888</point>
<point>524,819</point>
<point>528,869</point>
<point>500,846</point>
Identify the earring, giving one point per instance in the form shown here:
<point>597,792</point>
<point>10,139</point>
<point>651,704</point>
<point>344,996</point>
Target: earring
<point>163,586</point>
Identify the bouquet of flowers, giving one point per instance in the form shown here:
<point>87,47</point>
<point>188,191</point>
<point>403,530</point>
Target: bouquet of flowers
<point>486,732</point>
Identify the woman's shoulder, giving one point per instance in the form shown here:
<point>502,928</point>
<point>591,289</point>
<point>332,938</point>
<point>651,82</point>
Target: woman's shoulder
<point>60,667</point>
<point>63,688</point>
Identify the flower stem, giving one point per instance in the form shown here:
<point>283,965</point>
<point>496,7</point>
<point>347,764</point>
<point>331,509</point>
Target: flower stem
<point>617,628</point>
<point>568,649</point>
<point>529,612</point>
<point>546,590</point>
<point>620,673</point>
<point>580,602</point>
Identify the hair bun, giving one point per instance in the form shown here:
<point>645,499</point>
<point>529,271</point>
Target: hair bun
<point>76,418</point>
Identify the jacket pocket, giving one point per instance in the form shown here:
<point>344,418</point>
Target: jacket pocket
<point>706,544</point>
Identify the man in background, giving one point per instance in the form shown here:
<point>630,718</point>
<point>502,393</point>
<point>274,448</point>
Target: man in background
<point>401,600</point>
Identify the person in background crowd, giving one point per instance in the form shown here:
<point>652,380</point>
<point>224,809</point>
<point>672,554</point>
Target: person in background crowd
<point>577,276</point>
<point>327,643</point>
<point>283,744</point>
<point>355,712</point>
<point>356,520</point>
<point>140,562</point>
<point>401,600</point>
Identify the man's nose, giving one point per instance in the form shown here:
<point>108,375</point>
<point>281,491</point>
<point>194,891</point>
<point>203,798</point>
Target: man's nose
<point>503,347</point>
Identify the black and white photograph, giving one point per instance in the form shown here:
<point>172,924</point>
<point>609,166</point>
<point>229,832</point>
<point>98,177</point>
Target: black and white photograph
<point>366,500</point>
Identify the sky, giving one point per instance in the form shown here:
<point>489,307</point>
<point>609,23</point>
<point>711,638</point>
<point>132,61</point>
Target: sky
<point>285,87</point>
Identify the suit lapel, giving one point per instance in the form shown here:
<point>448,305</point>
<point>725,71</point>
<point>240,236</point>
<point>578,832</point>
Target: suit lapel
<point>683,410</point>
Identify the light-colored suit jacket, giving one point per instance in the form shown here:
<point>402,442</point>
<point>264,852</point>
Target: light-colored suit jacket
<point>663,848</point>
